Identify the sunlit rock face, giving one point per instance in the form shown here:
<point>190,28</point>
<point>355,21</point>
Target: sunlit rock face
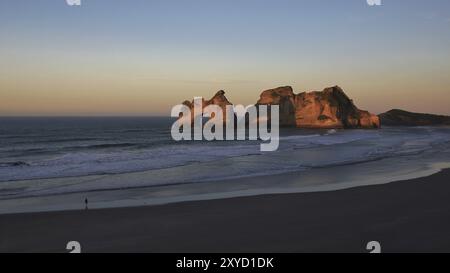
<point>285,98</point>
<point>218,99</point>
<point>330,108</point>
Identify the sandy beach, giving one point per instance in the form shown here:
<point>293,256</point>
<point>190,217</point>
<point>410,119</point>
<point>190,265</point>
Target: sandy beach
<point>404,216</point>
<point>225,127</point>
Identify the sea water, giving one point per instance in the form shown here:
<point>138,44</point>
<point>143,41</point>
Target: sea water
<point>136,155</point>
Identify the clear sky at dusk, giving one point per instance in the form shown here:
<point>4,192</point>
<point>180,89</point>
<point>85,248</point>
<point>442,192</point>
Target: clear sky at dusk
<point>141,57</point>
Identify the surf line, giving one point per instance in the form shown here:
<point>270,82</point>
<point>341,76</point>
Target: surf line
<point>236,120</point>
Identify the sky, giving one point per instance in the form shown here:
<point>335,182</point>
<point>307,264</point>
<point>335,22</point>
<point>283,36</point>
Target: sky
<point>141,57</point>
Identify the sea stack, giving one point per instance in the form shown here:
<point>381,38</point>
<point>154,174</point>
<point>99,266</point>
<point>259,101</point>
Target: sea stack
<point>218,99</point>
<point>330,108</point>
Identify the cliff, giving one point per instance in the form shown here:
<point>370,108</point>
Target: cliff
<point>398,117</point>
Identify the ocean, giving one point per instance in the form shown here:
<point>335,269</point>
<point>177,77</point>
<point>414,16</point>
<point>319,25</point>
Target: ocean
<point>49,156</point>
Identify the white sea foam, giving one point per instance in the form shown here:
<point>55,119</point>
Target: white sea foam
<point>170,164</point>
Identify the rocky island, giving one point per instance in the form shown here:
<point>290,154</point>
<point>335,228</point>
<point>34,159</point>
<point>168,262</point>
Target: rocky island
<point>397,117</point>
<point>330,108</point>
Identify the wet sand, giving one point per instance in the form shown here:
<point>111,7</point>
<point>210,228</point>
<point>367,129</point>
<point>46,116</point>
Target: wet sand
<point>404,216</point>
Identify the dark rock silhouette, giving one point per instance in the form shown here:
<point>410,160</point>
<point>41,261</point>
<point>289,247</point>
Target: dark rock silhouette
<point>397,117</point>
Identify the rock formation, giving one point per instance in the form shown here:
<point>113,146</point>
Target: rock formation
<point>218,99</point>
<point>330,108</point>
<point>398,117</point>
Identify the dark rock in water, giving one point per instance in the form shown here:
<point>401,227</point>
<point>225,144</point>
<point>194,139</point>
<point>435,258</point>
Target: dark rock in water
<point>14,164</point>
<point>397,117</point>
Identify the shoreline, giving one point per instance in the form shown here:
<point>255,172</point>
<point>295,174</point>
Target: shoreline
<point>306,181</point>
<point>404,216</point>
<point>307,163</point>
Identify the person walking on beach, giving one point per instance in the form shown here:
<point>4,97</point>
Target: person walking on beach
<point>86,202</point>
